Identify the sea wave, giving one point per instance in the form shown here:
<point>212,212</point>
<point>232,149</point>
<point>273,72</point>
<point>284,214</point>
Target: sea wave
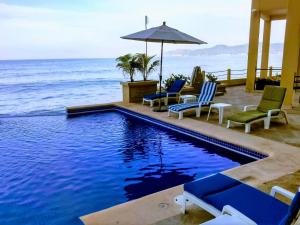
<point>23,72</point>
<point>38,83</point>
<point>45,112</point>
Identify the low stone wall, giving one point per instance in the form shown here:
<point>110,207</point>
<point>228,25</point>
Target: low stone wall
<point>235,82</point>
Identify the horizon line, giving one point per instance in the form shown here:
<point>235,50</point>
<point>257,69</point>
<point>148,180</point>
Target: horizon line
<point>86,58</point>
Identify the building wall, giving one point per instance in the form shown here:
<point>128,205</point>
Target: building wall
<point>272,10</point>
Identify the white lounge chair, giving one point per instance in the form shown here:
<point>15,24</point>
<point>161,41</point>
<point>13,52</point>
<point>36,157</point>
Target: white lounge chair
<point>172,92</point>
<point>214,192</point>
<point>206,96</point>
<point>268,108</point>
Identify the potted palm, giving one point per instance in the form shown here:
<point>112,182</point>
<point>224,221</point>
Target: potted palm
<point>128,64</point>
<point>133,91</point>
<point>146,64</point>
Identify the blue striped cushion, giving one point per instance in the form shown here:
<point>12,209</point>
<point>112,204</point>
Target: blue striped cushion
<point>206,95</point>
<point>184,106</point>
<point>207,92</point>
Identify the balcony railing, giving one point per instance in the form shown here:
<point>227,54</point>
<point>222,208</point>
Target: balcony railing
<point>229,74</point>
<point>297,82</point>
<point>272,72</point>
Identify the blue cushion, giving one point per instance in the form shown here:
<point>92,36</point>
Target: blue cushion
<point>177,86</point>
<point>155,96</point>
<point>293,211</point>
<point>258,206</point>
<point>210,185</point>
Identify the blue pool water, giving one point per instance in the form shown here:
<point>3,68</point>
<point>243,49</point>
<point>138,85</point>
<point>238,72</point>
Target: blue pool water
<point>54,170</point>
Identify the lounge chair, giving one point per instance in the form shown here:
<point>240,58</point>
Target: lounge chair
<point>172,92</point>
<point>268,108</point>
<point>206,96</point>
<point>197,80</point>
<point>218,192</point>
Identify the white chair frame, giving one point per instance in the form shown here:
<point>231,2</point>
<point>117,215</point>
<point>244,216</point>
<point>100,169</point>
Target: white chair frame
<point>164,99</point>
<point>191,199</point>
<point>196,109</point>
<point>267,119</point>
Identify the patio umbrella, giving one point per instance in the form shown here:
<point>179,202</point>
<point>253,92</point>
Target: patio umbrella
<point>163,34</point>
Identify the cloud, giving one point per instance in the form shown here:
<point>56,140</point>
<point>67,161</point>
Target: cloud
<point>39,32</point>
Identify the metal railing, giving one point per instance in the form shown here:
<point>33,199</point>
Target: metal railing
<point>229,74</point>
<point>296,82</point>
<point>269,72</point>
<point>234,74</point>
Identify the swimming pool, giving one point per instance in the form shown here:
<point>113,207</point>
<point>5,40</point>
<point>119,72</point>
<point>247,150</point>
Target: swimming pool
<point>54,170</point>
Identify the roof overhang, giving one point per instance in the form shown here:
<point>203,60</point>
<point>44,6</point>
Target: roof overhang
<point>271,9</point>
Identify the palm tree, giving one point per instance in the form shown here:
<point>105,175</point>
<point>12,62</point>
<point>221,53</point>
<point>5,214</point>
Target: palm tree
<point>129,64</point>
<point>146,65</point>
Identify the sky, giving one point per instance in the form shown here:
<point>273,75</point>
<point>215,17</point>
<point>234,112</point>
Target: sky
<point>40,29</point>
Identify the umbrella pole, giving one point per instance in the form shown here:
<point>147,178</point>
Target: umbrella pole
<point>160,73</point>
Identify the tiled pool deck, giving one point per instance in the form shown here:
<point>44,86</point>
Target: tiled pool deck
<point>281,143</point>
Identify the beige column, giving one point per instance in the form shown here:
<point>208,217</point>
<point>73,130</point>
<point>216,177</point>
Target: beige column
<point>253,50</point>
<point>291,50</point>
<point>265,48</point>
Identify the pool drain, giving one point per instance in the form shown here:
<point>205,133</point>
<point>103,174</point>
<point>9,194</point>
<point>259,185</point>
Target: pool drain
<point>163,205</point>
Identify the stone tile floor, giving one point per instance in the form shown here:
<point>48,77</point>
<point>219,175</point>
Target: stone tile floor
<point>279,131</point>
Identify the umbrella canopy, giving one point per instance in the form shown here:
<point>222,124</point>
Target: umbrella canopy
<point>164,34</point>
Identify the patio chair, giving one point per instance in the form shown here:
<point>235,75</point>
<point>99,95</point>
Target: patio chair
<point>268,108</point>
<point>206,96</point>
<point>218,192</point>
<point>172,92</point>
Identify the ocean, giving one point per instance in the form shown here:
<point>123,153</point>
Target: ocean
<point>46,87</point>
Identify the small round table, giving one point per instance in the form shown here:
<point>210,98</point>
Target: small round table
<point>220,107</point>
<point>187,98</point>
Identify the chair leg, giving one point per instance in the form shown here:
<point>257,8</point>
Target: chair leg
<point>208,113</point>
<point>143,101</point>
<point>169,113</point>
<point>247,127</point>
<point>285,117</point>
<point>151,103</point>
<point>184,205</point>
<point>228,123</point>
<point>180,115</point>
<point>198,112</point>
<point>166,101</point>
<point>267,122</point>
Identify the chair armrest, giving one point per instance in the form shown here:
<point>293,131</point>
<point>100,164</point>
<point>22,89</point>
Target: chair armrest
<point>271,111</point>
<point>248,107</point>
<point>282,191</point>
<point>172,93</point>
<point>227,209</point>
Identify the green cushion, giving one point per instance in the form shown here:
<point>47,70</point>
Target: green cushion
<point>248,116</point>
<point>272,98</point>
